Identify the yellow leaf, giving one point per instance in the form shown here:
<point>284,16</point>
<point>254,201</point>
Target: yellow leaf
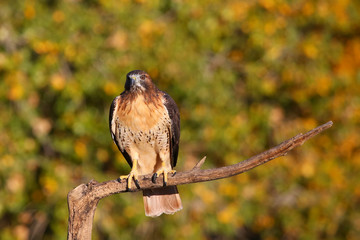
<point>50,185</point>
<point>308,168</point>
<point>70,52</point>
<point>205,194</point>
<point>308,8</point>
<point>229,189</point>
<point>349,63</point>
<point>237,10</point>
<point>111,88</point>
<point>148,30</point>
<point>58,16</point>
<point>46,46</point>
<point>7,161</point>
<point>16,92</point>
<point>227,215</point>
<point>80,148</point>
<point>340,8</point>
<point>58,82</point>
<point>102,155</point>
<point>29,11</point>
<point>323,85</point>
<point>268,4</point>
<point>285,9</point>
<point>310,50</point>
<point>270,28</point>
<point>309,123</point>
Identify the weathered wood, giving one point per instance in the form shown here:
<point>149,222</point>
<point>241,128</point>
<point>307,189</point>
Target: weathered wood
<point>82,204</point>
<point>83,200</point>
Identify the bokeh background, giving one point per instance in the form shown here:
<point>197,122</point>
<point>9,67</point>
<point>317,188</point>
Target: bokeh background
<point>246,75</point>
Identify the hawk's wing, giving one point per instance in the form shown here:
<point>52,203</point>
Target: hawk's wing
<point>112,113</point>
<point>174,115</point>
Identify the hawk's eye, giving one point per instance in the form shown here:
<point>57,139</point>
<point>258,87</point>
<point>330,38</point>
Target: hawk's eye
<point>142,77</point>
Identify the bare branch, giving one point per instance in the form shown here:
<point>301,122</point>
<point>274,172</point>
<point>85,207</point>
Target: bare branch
<point>82,200</point>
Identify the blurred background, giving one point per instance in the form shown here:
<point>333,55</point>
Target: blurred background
<point>246,75</point>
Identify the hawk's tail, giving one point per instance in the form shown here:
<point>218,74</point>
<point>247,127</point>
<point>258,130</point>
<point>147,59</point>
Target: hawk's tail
<point>161,200</point>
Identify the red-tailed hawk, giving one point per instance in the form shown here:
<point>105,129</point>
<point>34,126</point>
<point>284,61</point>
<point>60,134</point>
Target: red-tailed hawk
<point>145,125</point>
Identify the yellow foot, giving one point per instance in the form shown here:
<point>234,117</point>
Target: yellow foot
<point>129,178</point>
<point>158,173</point>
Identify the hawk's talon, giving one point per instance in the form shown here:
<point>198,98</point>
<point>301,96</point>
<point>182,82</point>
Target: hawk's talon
<point>137,183</point>
<point>165,173</point>
<point>173,172</point>
<point>129,178</point>
<point>132,175</point>
<point>154,177</point>
<point>123,177</point>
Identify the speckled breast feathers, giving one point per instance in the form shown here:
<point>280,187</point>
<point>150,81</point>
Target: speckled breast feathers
<point>141,126</point>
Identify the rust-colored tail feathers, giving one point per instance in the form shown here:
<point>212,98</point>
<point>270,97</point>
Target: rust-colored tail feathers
<point>161,200</point>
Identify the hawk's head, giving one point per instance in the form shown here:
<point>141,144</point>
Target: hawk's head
<point>138,80</point>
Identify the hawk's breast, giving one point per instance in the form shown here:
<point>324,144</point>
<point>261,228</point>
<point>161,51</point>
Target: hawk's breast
<point>142,125</point>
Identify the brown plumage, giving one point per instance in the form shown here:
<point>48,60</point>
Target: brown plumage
<point>145,125</point>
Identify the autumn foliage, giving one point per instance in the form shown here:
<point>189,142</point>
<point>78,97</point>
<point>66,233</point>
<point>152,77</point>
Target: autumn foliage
<point>246,75</point>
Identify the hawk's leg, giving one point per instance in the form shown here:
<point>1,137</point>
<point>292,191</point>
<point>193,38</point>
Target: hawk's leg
<point>164,172</point>
<point>133,174</point>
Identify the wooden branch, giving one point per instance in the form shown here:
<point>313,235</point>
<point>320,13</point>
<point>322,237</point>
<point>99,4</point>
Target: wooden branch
<point>83,200</point>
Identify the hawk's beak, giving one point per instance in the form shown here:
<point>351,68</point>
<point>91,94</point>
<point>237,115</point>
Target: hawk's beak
<point>132,81</point>
<point>135,81</point>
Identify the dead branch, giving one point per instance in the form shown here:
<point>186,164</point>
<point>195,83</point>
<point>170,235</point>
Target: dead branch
<point>83,200</point>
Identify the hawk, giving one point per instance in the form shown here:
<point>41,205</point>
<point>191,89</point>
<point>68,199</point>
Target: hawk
<point>145,125</point>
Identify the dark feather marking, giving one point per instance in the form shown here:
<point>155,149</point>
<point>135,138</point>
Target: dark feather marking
<point>174,116</point>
